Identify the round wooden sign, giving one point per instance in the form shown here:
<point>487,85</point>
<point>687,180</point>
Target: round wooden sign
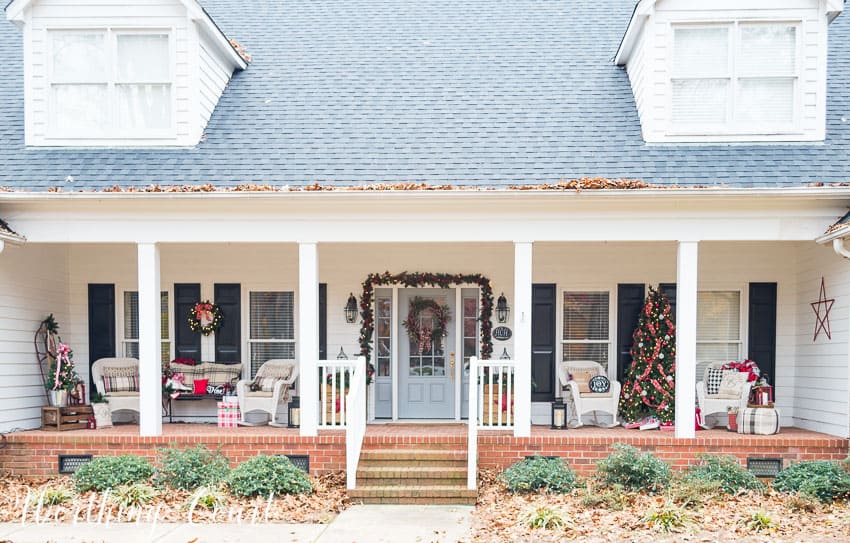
<point>599,384</point>
<point>502,333</point>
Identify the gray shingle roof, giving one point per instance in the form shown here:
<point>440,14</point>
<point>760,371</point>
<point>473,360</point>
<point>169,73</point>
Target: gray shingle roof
<point>468,93</point>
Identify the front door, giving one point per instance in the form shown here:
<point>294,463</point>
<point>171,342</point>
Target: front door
<point>426,386</point>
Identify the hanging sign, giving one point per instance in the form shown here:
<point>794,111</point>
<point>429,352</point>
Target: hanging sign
<point>502,333</point>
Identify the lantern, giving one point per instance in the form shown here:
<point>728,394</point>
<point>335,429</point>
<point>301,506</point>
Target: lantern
<point>502,309</point>
<point>351,309</point>
<point>341,355</point>
<point>559,415</point>
<point>293,411</point>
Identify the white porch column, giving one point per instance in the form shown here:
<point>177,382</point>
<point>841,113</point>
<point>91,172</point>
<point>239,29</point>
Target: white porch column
<point>686,337</point>
<point>308,336</point>
<point>150,341</point>
<point>523,254</point>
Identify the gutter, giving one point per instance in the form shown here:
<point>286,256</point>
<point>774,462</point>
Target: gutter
<point>11,239</point>
<point>839,238</point>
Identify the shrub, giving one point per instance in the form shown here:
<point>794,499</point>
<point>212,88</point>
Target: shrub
<point>725,471</point>
<point>547,518</point>
<point>821,479</point>
<point>634,470</point>
<point>188,469</point>
<point>612,498</point>
<point>111,472</point>
<point>669,517</point>
<point>207,497</point>
<point>134,495</point>
<point>264,475</point>
<point>695,492</point>
<point>759,521</point>
<point>532,474</point>
<point>52,496</point>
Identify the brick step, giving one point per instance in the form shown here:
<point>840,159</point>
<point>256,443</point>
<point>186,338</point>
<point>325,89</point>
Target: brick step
<point>419,501</point>
<point>414,456</point>
<point>419,444</point>
<point>424,476</point>
<point>440,494</point>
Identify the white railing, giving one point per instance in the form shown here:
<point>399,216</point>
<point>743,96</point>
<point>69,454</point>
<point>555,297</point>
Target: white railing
<point>491,405</point>
<point>355,430</point>
<point>336,378</point>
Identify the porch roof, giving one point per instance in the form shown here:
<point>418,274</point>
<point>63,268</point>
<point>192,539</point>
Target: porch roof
<point>475,93</point>
<point>7,234</point>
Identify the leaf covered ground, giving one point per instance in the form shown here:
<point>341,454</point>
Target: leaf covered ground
<point>501,517</point>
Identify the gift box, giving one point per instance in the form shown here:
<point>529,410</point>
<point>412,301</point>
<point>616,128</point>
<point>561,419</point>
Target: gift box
<point>228,414</point>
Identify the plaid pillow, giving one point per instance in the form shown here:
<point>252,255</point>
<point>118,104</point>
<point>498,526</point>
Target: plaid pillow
<point>266,384</point>
<point>189,372</point>
<point>221,374</point>
<point>124,371</point>
<point>715,376</point>
<point>121,383</point>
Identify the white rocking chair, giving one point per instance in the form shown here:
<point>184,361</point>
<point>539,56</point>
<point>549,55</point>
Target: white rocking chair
<point>589,402</point>
<point>283,373</point>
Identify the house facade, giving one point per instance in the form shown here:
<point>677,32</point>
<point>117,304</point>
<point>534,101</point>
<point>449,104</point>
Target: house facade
<point>279,159</point>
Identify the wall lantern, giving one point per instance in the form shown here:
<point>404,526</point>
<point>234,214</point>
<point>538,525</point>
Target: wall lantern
<point>505,355</point>
<point>341,355</point>
<point>294,413</point>
<point>502,309</point>
<point>351,309</point>
<point>559,415</point>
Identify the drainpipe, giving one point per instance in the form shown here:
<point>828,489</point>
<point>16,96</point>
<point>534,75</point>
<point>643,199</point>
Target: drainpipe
<point>839,247</point>
<point>2,245</point>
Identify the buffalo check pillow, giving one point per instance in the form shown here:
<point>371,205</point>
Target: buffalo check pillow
<point>715,376</point>
<point>121,383</point>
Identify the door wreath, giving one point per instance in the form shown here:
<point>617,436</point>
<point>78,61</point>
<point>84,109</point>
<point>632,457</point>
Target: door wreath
<point>421,333</point>
<point>205,317</point>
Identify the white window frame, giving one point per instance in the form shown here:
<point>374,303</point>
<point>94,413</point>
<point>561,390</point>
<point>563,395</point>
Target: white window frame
<point>246,312</point>
<point>742,324</point>
<point>112,130</point>
<point>612,323</point>
<point>123,341</point>
<point>731,127</point>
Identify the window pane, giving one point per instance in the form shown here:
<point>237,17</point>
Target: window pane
<point>260,352</point>
<point>166,352</point>
<point>718,316</point>
<point>701,52</point>
<point>700,101</point>
<point>79,57</point>
<point>768,100</point>
<point>768,49</point>
<point>143,58</point>
<point>144,106</point>
<point>78,109</point>
<point>586,315</point>
<point>163,315</point>
<point>131,316</point>
<point>712,352</point>
<point>598,352</point>
<point>131,349</point>
<point>271,315</point>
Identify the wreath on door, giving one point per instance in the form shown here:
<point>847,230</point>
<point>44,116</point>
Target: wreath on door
<point>205,317</point>
<point>423,332</point>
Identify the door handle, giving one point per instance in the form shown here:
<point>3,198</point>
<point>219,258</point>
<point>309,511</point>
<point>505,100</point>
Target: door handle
<point>452,366</point>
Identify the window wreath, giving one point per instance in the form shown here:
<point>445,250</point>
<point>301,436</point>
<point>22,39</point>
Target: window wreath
<point>205,317</point>
<point>423,332</point>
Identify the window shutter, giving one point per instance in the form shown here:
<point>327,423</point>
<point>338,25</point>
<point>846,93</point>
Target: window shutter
<point>101,300</point>
<point>228,338</point>
<point>187,344</point>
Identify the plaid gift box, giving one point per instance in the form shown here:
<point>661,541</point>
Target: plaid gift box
<point>228,414</point>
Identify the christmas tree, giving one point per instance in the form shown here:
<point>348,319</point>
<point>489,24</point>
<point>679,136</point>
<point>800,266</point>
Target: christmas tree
<point>650,381</point>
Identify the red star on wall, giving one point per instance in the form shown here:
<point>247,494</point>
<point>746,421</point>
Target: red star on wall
<point>821,309</point>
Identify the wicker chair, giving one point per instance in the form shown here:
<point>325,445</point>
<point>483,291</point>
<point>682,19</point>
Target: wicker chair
<point>589,402</point>
<point>714,403</point>
<point>118,401</point>
<point>283,373</point>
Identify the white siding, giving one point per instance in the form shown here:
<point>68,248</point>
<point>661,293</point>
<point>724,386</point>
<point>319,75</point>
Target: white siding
<point>652,59</point>
<point>821,392</point>
<point>33,284</point>
<point>214,75</point>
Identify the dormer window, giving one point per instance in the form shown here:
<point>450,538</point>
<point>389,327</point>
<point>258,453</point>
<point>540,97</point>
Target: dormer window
<point>738,78</point>
<point>110,83</point>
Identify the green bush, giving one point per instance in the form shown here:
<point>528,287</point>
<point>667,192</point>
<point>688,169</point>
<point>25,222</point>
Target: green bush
<point>549,474</point>
<point>730,476</point>
<point>821,479</point>
<point>188,469</point>
<point>112,471</point>
<point>134,495</point>
<point>264,475</point>
<point>634,470</point>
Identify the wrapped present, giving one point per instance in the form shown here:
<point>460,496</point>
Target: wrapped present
<point>762,421</point>
<point>228,414</point>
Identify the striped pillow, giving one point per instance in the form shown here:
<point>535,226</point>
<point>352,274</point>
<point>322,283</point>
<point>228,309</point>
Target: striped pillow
<point>223,374</point>
<point>129,383</point>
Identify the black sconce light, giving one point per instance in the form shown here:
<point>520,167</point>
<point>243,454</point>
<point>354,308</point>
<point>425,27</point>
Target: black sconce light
<point>294,412</point>
<point>351,309</point>
<point>502,309</point>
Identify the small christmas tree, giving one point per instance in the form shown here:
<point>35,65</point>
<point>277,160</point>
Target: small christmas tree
<point>650,381</point>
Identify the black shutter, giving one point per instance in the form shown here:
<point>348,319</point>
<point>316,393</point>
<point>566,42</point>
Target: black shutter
<point>669,290</point>
<point>323,321</point>
<point>187,344</point>
<point>629,303</point>
<point>762,328</point>
<point>101,325</point>
<point>543,337</point>
<point>228,338</point>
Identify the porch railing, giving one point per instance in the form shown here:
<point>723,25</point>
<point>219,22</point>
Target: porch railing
<point>491,404</point>
<point>342,401</point>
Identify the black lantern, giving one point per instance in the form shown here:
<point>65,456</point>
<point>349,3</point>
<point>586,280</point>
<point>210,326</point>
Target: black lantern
<point>294,412</point>
<point>505,355</point>
<point>351,309</point>
<point>502,309</point>
<point>341,355</point>
<point>559,415</point>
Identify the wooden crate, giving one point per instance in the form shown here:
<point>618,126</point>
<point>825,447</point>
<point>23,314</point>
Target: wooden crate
<point>60,419</point>
<point>491,398</point>
<point>332,416</point>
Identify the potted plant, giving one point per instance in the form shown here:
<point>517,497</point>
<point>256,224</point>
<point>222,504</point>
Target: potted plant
<point>62,378</point>
<point>102,414</point>
<point>732,423</point>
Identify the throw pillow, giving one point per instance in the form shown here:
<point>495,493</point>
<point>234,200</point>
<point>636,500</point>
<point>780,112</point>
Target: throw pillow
<point>200,386</point>
<point>121,384</point>
<point>121,371</point>
<point>712,384</point>
<point>599,384</point>
<point>223,374</point>
<point>732,384</point>
<point>582,378</point>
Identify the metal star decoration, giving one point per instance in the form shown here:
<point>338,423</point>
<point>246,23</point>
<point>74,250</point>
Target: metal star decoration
<point>821,309</point>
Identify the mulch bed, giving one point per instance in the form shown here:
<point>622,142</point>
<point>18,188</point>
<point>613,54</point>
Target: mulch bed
<point>328,499</point>
<point>497,519</point>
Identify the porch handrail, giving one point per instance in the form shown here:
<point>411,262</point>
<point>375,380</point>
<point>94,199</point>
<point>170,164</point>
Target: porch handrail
<point>335,375</point>
<point>355,429</point>
<point>489,408</point>
<point>472,422</point>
